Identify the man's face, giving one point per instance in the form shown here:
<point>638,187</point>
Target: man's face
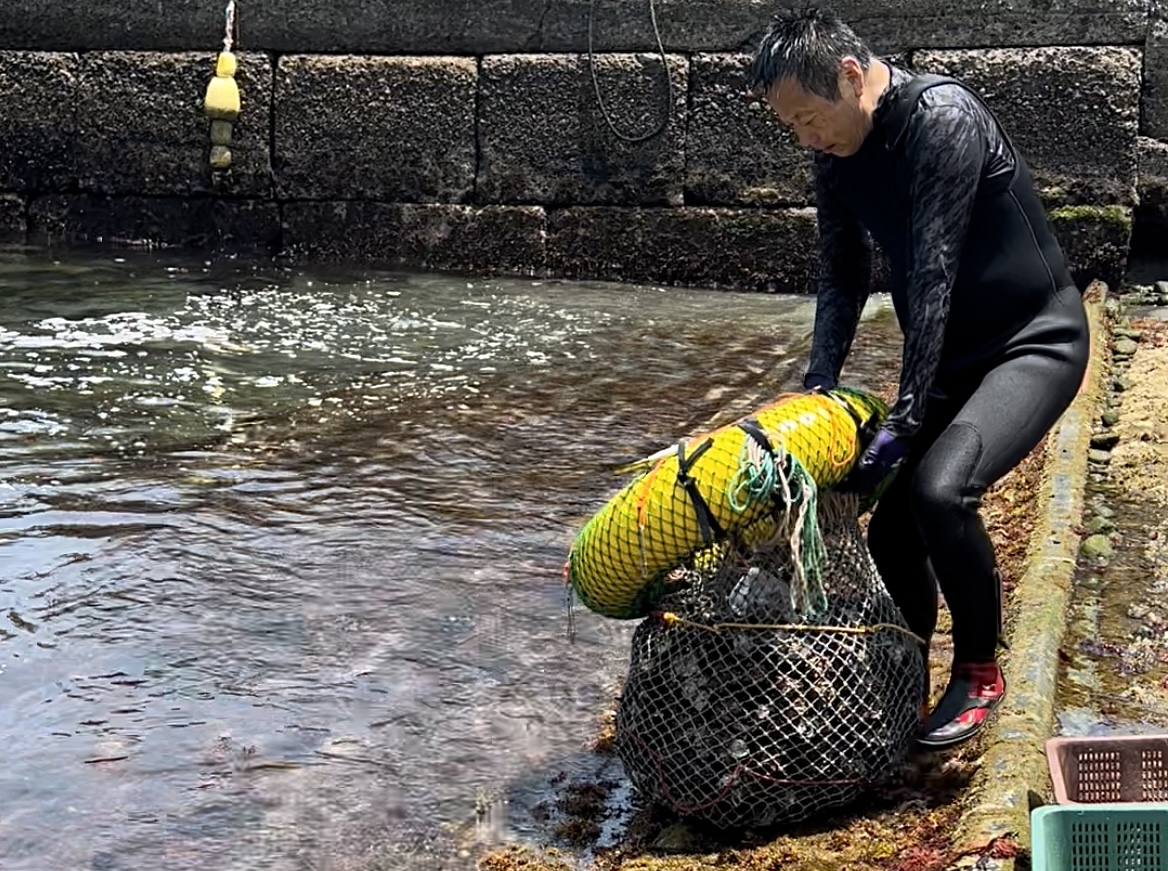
<point>836,127</point>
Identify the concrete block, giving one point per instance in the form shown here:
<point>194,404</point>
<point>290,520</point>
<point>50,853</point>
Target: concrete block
<point>1074,113</point>
<point>1154,120</point>
<point>890,25</point>
<point>65,25</point>
<point>518,26</point>
<point>737,152</point>
<point>388,128</point>
<point>1096,240</point>
<point>204,223</point>
<point>126,122</point>
<point>705,247</point>
<point>38,120</point>
<point>543,137</point>
<point>492,239</point>
<point>12,218</point>
<point>475,27</point>
<point>1153,175</point>
<point>141,127</point>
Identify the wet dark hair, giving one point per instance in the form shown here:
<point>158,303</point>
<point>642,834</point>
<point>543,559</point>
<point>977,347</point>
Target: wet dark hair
<point>807,44</point>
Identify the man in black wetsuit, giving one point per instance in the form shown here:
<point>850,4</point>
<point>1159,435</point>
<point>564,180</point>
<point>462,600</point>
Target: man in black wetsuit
<point>995,332</point>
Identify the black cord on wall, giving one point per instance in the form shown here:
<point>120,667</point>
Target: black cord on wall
<point>664,66</point>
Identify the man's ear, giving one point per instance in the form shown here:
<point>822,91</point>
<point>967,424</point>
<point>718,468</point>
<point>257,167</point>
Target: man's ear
<point>851,77</point>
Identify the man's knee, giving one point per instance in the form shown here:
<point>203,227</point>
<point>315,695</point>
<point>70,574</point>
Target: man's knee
<point>946,480</point>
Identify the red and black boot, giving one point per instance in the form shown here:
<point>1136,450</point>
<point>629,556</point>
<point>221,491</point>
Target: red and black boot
<point>974,690</point>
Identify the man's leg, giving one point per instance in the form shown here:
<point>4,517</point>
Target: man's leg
<point>900,554</point>
<point>897,547</point>
<point>1015,405</point>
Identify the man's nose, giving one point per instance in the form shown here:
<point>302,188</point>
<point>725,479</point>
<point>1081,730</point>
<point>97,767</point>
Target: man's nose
<point>807,139</point>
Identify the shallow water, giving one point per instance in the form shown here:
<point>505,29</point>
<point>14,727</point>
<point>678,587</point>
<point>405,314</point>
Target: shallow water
<point>281,549</point>
<point>1114,678</point>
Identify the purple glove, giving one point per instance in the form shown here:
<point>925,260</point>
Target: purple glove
<point>883,456</point>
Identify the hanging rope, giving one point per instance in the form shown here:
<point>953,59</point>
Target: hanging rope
<point>664,66</point>
<point>231,26</point>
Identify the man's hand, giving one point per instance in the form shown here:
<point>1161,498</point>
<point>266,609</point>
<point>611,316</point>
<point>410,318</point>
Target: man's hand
<point>884,455</point>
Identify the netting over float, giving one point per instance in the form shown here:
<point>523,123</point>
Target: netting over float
<point>743,709</point>
<point>773,677</point>
<point>711,486</point>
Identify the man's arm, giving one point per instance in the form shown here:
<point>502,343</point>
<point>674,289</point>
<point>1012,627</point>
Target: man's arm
<point>945,150</point>
<point>845,274</point>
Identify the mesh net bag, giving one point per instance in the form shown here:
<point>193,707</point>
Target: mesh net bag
<point>771,683</point>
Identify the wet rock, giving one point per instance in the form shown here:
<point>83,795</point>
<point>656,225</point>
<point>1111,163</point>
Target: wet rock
<point>1110,417</point>
<point>1138,610</point>
<point>1105,440</point>
<point>1100,526</point>
<point>491,239</point>
<point>400,129</point>
<point>1097,546</point>
<point>203,222</point>
<point>1127,333</point>
<point>544,139</point>
<point>735,154</point>
<point>677,838</point>
<point>1125,347</point>
<point>1122,384</point>
<point>1104,510</point>
<point>1101,458</point>
<point>1140,655</point>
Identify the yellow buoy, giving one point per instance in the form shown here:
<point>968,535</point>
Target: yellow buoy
<point>222,107</point>
<point>711,485</point>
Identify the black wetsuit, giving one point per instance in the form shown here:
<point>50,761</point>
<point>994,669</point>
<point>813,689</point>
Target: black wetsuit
<point>996,335</point>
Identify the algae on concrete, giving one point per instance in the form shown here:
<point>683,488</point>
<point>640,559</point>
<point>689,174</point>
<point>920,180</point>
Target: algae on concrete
<point>1096,239</point>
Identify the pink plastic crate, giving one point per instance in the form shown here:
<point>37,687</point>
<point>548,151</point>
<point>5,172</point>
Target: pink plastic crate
<point>1114,768</point>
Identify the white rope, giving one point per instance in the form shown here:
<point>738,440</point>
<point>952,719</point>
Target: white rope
<point>229,35</point>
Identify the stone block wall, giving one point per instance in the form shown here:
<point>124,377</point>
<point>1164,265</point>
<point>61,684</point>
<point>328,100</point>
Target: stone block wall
<point>468,135</point>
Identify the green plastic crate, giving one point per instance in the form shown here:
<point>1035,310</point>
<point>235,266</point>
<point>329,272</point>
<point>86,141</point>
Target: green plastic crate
<point>1129,836</point>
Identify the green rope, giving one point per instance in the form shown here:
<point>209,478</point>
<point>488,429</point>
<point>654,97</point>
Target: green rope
<point>812,551</point>
<point>759,476</point>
